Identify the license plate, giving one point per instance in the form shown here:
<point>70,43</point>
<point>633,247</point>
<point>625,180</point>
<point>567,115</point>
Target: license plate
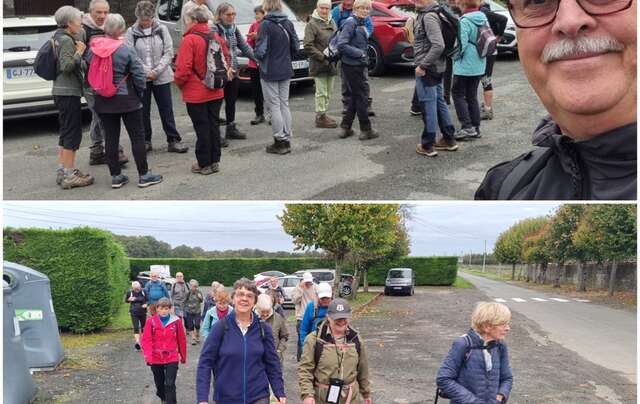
<point>19,73</point>
<point>300,64</point>
<point>398,288</point>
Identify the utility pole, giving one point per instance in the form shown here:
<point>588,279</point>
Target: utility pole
<point>484,256</point>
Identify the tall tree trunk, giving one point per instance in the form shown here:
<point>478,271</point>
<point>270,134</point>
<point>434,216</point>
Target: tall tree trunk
<point>612,277</point>
<point>513,271</point>
<point>365,278</point>
<point>543,273</point>
<point>582,287</point>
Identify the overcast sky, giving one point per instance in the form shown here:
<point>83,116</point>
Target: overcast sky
<point>436,228</point>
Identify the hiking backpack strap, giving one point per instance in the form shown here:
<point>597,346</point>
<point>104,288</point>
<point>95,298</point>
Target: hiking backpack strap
<point>152,34</point>
<point>207,38</point>
<point>524,172</point>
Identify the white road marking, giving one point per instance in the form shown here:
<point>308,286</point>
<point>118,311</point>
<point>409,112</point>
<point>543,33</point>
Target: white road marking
<point>517,299</point>
<point>500,300</point>
<point>559,300</point>
<point>537,299</point>
<point>582,300</point>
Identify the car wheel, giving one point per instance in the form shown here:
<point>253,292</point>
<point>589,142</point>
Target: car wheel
<point>376,59</point>
<point>346,291</point>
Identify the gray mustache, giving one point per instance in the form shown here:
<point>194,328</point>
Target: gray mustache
<point>582,45</point>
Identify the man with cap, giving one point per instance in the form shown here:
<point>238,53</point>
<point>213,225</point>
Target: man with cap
<point>334,368</point>
<point>302,295</point>
<point>315,312</point>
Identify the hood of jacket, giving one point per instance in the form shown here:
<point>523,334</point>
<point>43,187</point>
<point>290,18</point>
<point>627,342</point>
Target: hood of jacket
<point>277,17</point>
<point>105,46</point>
<point>200,27</point>
<point>316,16</point>
<point>88,21</point>
<point>478,18</point>
<point>426,9</point>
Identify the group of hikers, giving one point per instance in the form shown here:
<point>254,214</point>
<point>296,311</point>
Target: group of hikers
<point>244,340</point>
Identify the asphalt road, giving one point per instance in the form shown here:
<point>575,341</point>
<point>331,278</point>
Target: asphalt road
<point>600,334</point>
<point>321,166</point>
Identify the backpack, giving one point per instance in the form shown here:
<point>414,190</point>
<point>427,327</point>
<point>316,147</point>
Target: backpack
<point>450,28</point>
<point>216,75</point>
<point>46,62</point>
<point>486,41</point>
<point>331,52</point>
<point>152,34</point>
<point>100,76</point>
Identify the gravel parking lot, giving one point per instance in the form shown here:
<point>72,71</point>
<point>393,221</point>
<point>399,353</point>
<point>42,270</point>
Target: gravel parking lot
<point>321,166</point>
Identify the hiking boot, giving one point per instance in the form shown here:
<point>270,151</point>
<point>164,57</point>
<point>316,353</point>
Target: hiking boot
<point>76,180</point>
<point>323,121</point>
<point>206,170</point>
<point>137,346</point>
<point>415,111</point>
<point>465,133</point>
<point>149,179</point>
<point>444,144</point>
<point>148,146</point>
<point>476,133</point>
<point>97,156</point>
<point>215,167</point>
<point>122,158</point>
<point>223,141</point>
<point>429,152</point>
<point>257,120</point>
<point>232,132</point>
<point>177,147</point>
<point>279,147</point>
<point>368,134</point>
<point>195,168</point>
<point>118,181</point>
<point>486,115</point>
<point>346,132</point>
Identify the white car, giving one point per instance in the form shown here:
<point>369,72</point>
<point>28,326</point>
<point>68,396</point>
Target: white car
<point>168,12</point>
<point>287,283</point>
<point>508,41</point>
<point>24,94</point>
<point>262,277</point>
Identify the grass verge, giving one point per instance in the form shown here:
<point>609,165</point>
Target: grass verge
<point>461,283</point>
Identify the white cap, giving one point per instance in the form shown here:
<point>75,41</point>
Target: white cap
<point>324,290</point>
<point>307,277</point>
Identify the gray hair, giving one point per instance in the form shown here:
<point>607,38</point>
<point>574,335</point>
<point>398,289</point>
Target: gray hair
<point>145,9</point>
<point>272,5</point>
<point>136,285</point>
<point>198,14</point>
<point>114,25</point>
<point>93,3</point>
<point>264,303</point>
<point>244,283</point>
<point>193,282</point>
<point>221,9</point>
<point>65,14</point>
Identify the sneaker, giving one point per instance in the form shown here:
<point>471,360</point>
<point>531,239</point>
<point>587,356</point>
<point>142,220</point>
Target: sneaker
<point>465,133</point>
<point>346,133</point>
<point>118,181</point>
<point>476,133</point>
<point>195,168</point>
<point>149,179</point>
<point>148,146</point>
<point>368,134</point>
<point>279,147</point>
<point>206,170</point>
<point>215,167</point>
<point>443,144</point>
<point>486,115</point>
<point>137,346</point>
<point>415,112</point>
<point>97,157</point>
<point>430,152</point>
<point>234,133</point>
<point>177,147</point>
<point>76,180</point>
<point>257,120</point>
<point>324,121</point>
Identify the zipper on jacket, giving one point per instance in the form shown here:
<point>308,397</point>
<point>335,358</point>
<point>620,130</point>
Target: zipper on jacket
<point>244,367</point>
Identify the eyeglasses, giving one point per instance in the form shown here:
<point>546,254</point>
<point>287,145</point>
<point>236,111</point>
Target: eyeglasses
<point>230,14</point>
<point>245,295</point>
<point>538,13</point>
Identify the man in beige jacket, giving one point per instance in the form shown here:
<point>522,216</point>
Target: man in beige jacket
<point>304,293</point>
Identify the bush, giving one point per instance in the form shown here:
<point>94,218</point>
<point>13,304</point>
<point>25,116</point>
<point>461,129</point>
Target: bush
<point>429,270</point>
<point>88,271</point>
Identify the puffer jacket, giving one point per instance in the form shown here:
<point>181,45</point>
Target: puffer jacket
<point>155,51</point>
<point>317,34</point>
<point>280,333</point>
<point>314,377</point>
<point>192,55</point>
<point>193,302</point>
<point>470,63</point>
<point>210,318</point>
<point>125,62</point>
<point>601,168</point>
<point>463,375</point>
<point>164,344</point>
<point>275,48</point>
<point>428,44</point>
<point>353,41</point>
<point>68,82</point>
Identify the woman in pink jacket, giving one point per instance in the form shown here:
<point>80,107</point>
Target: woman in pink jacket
<point>163,344</point>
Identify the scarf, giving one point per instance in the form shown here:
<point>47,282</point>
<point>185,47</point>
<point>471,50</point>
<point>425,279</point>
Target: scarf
<point>318,17</point>
<point>229,34</point>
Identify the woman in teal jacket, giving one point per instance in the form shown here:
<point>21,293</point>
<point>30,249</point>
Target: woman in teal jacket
<point>468,69</point>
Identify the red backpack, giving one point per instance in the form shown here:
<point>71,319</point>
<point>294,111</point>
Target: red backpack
<point>100,76</point>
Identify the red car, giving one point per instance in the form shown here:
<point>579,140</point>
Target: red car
<point>388,44</point>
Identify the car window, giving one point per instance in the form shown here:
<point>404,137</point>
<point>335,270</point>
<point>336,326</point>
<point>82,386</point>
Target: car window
<point>290,282</point>
<point>378,13</point>
<point>323,276</point>
<point>169,10</point>
<point>400,273</point>
<point>23,39</point>
<point>405,11</point>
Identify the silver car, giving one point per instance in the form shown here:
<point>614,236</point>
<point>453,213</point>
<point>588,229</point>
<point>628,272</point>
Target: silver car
<point>400,280</point>
<point>169,11</point>
<point>288,283</point>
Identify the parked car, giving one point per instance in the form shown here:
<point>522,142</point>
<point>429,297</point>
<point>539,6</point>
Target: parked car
<point>262,277</point>
<point>345,287</point>
<point>24,93</point>
<point>145,276</point>
<point>319,275</point>
<point>508,42</point>
<point>287,283</point>
<point>400,280</point>
<point>168,12</point>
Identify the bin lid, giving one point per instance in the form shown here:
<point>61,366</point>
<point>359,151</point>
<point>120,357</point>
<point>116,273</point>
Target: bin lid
<point>23,273</point>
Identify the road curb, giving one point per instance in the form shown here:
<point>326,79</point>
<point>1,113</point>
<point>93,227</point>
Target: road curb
<point>374,300</point>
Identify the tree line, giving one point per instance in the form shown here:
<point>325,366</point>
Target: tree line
<point>603,233</point>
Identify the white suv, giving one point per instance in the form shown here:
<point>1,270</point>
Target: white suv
<point>23,92</point>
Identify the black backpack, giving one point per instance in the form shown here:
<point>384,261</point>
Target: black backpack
<point>450,27</point>
<point>46,62</point>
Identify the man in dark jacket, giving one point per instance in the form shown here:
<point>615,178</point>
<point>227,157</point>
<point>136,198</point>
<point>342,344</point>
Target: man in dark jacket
<point>498,23</point>
<point>583,67</point>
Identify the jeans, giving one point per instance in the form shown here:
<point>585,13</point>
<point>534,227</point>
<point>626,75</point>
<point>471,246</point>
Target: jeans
<point>230,97</point>
<point>465,99</point>
<point>324,89</point>
<point>276,97</point>
<point>165,379</point>
<point>355,80</point>
<point>256,91</point>
<point>96,130</point>
<point>133,123</point>
<point>206,120</point>
<point>162,95</point>
<point>435,113</point>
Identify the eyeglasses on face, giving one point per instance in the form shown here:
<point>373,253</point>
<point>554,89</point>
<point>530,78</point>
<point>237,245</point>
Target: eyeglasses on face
<point>245,295</point>
<point>538,13</point>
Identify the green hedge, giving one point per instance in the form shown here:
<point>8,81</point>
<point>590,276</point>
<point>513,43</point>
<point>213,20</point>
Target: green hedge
<point>429,270</point>
<point>87,268</point>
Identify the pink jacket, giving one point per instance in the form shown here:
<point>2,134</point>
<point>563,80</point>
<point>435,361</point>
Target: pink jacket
<point>162,345</point>
<point>255,27</point>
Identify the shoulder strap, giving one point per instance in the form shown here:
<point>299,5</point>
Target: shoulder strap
<point>315,311</point>
<point>524,172</point>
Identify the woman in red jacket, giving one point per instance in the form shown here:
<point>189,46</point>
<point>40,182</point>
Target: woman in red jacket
<point>164,342</point>
<point>203,104</point>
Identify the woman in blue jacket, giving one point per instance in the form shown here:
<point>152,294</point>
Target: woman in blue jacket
<point>476,370</point>
<point>241,353</point>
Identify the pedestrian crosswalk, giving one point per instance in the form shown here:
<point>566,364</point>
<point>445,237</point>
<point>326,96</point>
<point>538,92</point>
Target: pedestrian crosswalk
<point>538,299</point>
